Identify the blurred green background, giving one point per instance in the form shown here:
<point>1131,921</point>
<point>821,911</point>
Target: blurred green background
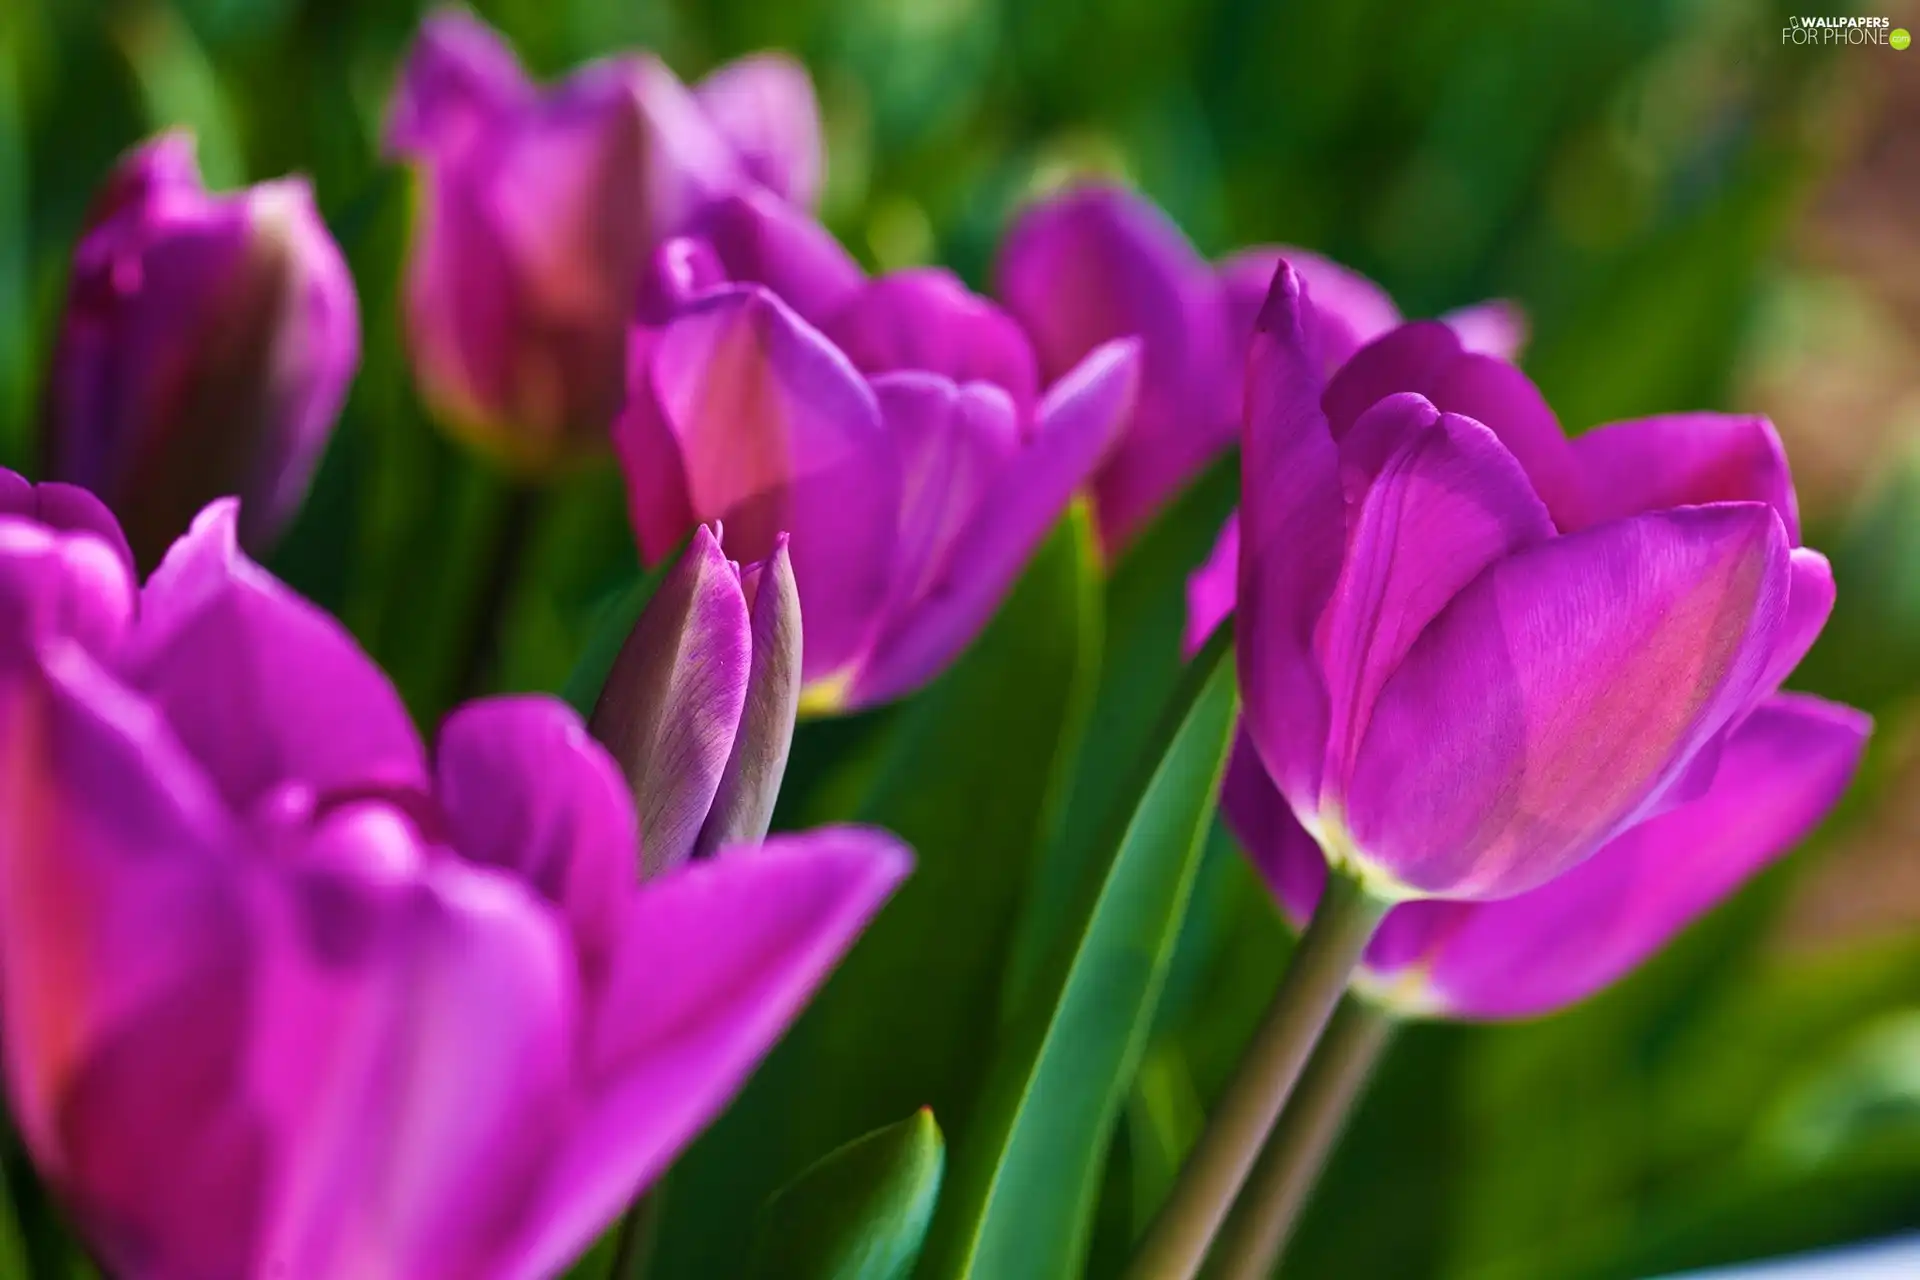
<point>1693,216</point>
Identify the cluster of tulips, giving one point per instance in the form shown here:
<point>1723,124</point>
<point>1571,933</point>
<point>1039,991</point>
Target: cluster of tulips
<point>284,991</point>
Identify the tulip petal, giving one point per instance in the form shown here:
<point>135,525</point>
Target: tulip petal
<point>649,455</point>
<point>1557,693</point>
<point>742,808</point>
<point>1292,523</point>
<point>1212,587</point>
<point>1497,328</point>
<point>1079,421</point>
<point>763,240</point>
<point>123,957</point>
<point>1444,501</point>
<point>716,960</point>
<point>67,508</point>
<point>59,583</point>
<point>1560,691</point>
<point>763,105</point>
<point>672,702</point>
<point>1426,358</point>
<point>460,77</point>
<point>1101,263</point>
<point>1810,596</point>
<point>1685,459</point>
<point>1349,310</point>
<point>261,686</point>
<point>524,788</point>
<point>925,319</point>
<point>780,434</point>
<point>437,1063</point>
<point>1781,772</point>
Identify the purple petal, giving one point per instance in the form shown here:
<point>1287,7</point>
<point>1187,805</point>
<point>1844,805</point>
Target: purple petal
<point>1781,772</point>
<point>672,702</point>
<point>459,79</point>
<point>1444,501</point>
<point>778,433</point>
<point>763,105</point>
<point>1810,597</point>
<point>1497,328</point>
<point>1685,459</point>
<point>1079,421</point>
<point>524,788</point>
<point>925,319</point>
<point>60,584</point>
<point>1211,588</point>
<point>1292,541</point>
<point>262,687</point>
<point>763,240</point>
<point>64,508</point>
<point>1349,310</point>
<point>679,271</point>
<point>1426,358</point>
<point>718,959</point>
<point>955,444</point>
<point>1101,263</point>
<point>1557,693</point>
<point>650,458</point>
<point>742,808</point>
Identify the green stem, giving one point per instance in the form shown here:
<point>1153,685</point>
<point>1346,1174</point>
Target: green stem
<point>633,1246</point>
<point>512,532</point>
<point>1328,951</point>
<point>1263,1217</point>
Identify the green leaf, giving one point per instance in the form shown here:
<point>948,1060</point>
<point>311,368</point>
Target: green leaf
<point>1028,1171</point>
<point>965,773</point>
<point>861,1213</point>
<point>613,622</point>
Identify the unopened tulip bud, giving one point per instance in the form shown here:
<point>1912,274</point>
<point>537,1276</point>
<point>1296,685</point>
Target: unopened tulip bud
<point>207,344</point>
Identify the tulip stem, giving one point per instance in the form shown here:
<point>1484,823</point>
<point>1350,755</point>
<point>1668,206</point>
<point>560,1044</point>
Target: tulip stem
<point>512,531</point>
<point>639,1228</point>
<point>1263,1217</point>
<point>1329,949</point>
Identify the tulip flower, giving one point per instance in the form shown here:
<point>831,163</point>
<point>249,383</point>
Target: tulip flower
<point>206,347</point>
<point>279,995</point>
<point>1474,652</point>
<point>1777,776</point>
<point>904,444</point>
<point>1098,263</point>
<point>539,208</point>
<point>698,710</point>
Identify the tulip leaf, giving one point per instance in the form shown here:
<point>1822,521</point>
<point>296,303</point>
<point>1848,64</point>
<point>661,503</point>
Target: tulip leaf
<point>965,773</point>
<point>861,1213</point>
<point>1028,1172</point>
<point>613,622</point>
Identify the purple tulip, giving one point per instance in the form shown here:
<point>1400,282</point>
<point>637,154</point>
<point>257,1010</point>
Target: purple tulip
<point>698,709</point>
<point>1472,651</point>
<point>1778,774</point>
<point>1098,263</point>
<point>540,206</point>
<point>207,344</point>
<point>902,439</point>
<point>281,996</point>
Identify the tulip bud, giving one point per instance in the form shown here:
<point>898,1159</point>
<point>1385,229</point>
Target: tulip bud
<point>206,347</point>
<point>698,710</point>
<point>539,208</point>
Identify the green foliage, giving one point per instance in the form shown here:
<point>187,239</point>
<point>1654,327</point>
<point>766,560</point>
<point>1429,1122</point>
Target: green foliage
<point>861,1213</point>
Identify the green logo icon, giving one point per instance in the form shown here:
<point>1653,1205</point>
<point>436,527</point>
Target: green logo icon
<point>1899,38</point>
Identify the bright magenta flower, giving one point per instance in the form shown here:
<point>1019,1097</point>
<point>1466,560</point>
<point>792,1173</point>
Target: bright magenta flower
<point>1474,652</point>
<point>283,996</point>
<point>539,207</point>
<point>1099,263</point>
<point>207,344</point>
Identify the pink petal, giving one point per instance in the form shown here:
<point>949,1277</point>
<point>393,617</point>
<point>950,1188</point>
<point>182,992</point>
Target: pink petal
<point>1557,693</point>
<point>1782,771</point>
<point>1497,328</point>
<point>763,105</point>
<point>1349,309</point>
<point>778,433</point>
<point>1685,459</point>
<point>1442,500</point>
<point>262,687</point>
<point>716,960</point>
<point>1079,422</point>
<point>925,319</point>
<point>1292,523</point>
<point>764,240</point>
<point>1211,588</point>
